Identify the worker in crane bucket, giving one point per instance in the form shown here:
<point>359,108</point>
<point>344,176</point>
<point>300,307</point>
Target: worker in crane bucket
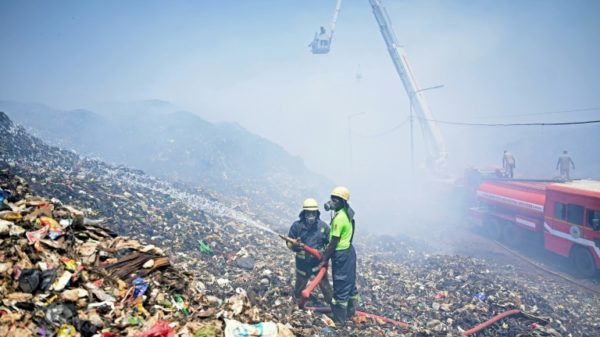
<point>343,256</point>
<point>508,164</point>
<point>310,230</point>
<point>564,163</point>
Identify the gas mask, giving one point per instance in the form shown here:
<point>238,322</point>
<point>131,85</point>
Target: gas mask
<point>333,205</point>
<point>310,217</point>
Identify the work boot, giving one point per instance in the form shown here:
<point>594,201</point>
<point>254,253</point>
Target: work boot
<point>340,314</point>
<point>351,310</point>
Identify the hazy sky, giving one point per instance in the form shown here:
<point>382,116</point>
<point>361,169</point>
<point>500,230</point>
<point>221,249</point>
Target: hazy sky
<point>248,62</point>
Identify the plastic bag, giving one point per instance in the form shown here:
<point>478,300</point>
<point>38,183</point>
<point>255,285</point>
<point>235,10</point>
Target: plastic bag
<point>160,329</point>
<point>234,328</point>
<point>204,247</point>
<point>54,229</point>
<point>29,280</point>
<point>61,313</point>
<point>141,286</point>
<point>47,278</point>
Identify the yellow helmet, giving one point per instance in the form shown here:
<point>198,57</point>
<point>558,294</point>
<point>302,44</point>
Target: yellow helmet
<point>341,192</point>
<point>310,204</point>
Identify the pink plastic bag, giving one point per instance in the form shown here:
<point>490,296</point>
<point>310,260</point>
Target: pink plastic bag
<point>160,329</point>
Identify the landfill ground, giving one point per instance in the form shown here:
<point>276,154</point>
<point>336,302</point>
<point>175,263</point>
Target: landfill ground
<point>88,249</point>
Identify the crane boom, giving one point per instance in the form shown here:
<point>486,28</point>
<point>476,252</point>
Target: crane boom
<point>431,132</point>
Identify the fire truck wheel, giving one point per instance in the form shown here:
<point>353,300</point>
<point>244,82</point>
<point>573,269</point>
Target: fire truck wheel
<point>494,228</point>
<point>512,234</point>
<point>583,261</point>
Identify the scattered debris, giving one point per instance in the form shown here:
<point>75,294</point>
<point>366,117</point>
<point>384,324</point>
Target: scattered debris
<point>193,266</point>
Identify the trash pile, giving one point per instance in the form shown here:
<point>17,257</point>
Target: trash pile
<point>198,266</point>
<point>62,274</point>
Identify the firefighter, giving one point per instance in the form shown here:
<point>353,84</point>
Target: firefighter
<point>564,163</point>
<point>310,230</point>
<point>508,164</point>
<point>343,256</point>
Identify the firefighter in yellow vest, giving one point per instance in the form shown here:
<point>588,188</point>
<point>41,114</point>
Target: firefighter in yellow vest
<point>343,257</point>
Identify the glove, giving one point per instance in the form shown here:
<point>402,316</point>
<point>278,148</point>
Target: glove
<point>298,246</point>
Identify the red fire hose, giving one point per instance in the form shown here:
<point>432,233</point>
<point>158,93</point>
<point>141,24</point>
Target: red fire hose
<point>312,251</point>
<point>313,284</point>
<point>385,319</point>
<point>490,322</point>
<point>315,281</point>
<point>362,313</point>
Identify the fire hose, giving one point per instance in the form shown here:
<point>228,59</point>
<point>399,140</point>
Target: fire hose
<point>317,279</point>
<point>490,322</point>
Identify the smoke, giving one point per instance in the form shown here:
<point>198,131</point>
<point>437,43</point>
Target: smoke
<point>250,64</point>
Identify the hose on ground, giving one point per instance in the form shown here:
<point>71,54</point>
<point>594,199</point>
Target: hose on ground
<point>490,322</point>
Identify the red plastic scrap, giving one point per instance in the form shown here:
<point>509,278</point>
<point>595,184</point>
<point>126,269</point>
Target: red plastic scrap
<point>160,329</point>
<point>108,334</point>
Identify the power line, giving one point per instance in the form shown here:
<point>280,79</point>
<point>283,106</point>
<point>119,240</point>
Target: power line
<point>511,124</point>
<point>545,112</point>
<point>383,133</point>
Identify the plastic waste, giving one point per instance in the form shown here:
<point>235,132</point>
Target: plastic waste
<point>36,236</point>
<point>108,334</point>
<point>234,328</point>
<point>29,280</point>
<point>61,313</point>
<point>62,281</point>
<point>141,286</point>
<point>207,331</point>
<point>203,247</point>
<point>46,279</point>
<point>160,329</point>
<point>441,294</point>
<point>43,332</point>
<point>134,320</point>
<point>70,264</point>
<point>480,296</point>
<point>54,228</point>
<point>3,195</point>
<point>66,330</point>
<point>181,305</point>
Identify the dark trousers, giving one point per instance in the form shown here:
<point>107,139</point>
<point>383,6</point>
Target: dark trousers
<point>344,281</point>
<point>302,279</point>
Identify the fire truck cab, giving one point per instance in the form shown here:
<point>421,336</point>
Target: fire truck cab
<point>572,223</point>
<point>564,216</point>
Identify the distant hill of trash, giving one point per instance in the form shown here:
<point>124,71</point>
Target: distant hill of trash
<point>179,146</point>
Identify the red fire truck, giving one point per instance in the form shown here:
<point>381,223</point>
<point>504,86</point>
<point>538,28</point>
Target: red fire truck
<point>563,216</point>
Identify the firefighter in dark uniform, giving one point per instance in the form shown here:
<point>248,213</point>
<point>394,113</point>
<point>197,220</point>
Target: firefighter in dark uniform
<point>311,231</point>
<point>343,256</point>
